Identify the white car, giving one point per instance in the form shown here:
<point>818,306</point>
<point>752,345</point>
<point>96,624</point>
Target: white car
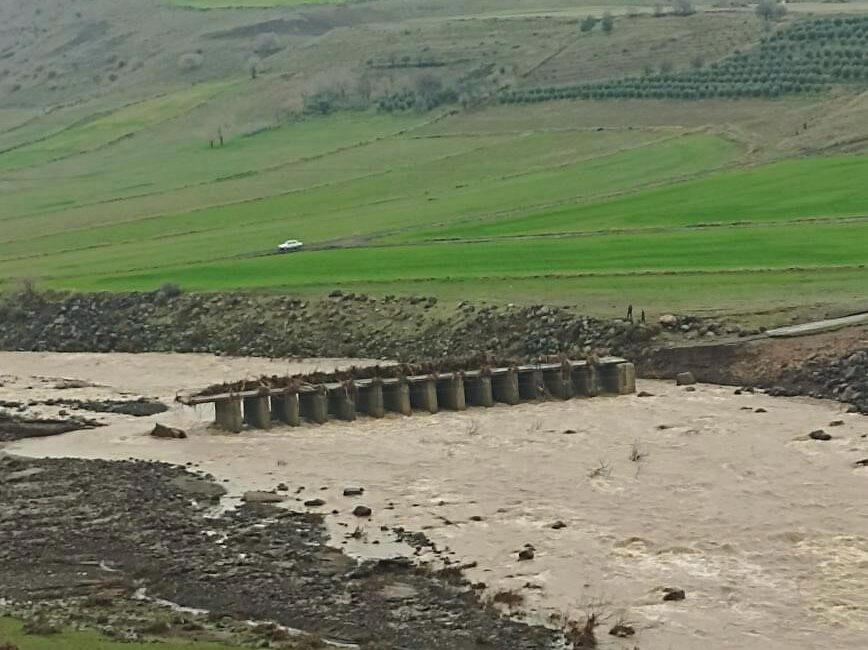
<point>289,246</point>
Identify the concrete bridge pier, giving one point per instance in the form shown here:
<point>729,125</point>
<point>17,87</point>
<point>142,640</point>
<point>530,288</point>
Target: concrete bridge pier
<point>396,396</point>
<point>313,405</point>
<point>227,414</point>
<point>342,400</point>
<point>504,386</point>
<point>369,397</point>
<point>477,389</point>
<point>530,383</point>
<point>619,379</point>
<point>558,382</point>
<point>285,409</point>
<point>256,412</point>
<point>423,393</point>
<point>450,391</point>
<point>586,379</point>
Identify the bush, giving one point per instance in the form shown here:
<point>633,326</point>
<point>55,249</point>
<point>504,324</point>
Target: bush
<point>170,290</point>
<point>770,10</point>
<point>588,23</point>
<point>608,23</point>
<point>190,61</point>
<point>322,102</point>
<point>428,87</point>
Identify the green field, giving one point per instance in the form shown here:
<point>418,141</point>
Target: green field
<point>702,205</point>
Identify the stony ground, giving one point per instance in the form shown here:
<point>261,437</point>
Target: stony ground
<point>99,530</point>
<point>844,379</point>
<point>340,325</point>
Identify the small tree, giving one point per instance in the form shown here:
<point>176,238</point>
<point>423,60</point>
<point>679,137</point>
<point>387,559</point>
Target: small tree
<point>588,23</point>
<point>770,10</point>
<point>608,23</point>
<point>697,62</point>
<point>428,89</point>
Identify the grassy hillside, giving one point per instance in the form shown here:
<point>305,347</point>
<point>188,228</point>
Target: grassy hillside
<point>224,132</point>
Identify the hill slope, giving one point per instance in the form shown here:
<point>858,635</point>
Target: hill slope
<point>144,142</point>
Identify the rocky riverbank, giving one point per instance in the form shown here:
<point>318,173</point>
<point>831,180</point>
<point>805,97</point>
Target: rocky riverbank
<point>82,533</point>
<point>340,325</point>
<point>844,379</point>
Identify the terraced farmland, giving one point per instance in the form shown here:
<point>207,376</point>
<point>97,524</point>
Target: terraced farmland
<point>713,204</point>
<point>807,57</point>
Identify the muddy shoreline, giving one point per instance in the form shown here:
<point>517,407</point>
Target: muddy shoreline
<point>75,528</point>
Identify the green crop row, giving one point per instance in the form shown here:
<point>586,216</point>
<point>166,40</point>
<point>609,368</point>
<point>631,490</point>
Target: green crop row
<point>804,58</point>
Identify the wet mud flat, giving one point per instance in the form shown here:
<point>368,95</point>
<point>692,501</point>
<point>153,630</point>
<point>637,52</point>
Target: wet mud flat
<point>14,426</point>
<point>20,420</point>
<point>76,528</point>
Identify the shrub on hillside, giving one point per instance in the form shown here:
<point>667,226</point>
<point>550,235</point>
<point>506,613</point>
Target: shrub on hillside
<point>588,23</point>
<point>770,10</point>
<point>171,290</point>
<point>322,102</point>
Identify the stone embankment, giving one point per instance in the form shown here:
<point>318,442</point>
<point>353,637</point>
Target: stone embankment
<point>844,379</point>
<point>340,325</point>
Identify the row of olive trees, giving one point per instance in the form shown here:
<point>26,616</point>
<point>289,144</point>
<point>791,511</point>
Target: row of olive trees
<point>804,57</point>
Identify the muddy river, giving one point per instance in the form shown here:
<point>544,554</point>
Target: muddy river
<point>724,496</point>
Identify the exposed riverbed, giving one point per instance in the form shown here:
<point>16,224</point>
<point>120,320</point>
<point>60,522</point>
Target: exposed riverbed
<point>727,497</point>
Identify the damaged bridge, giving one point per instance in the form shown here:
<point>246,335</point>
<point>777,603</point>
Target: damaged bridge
<point>302,400</point>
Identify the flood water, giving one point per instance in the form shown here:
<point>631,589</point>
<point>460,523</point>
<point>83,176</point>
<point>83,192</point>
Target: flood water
<point>765,529</point>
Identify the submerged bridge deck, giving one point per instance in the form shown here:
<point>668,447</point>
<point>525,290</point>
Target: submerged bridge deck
<point>374,397</point>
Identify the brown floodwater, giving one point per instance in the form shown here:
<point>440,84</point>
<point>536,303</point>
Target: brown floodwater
<point>765,529</point>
